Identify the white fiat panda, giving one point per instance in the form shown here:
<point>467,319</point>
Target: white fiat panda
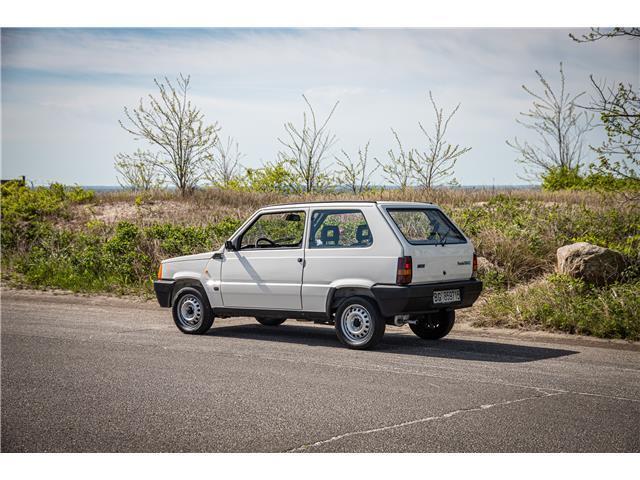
<point>357,265</point>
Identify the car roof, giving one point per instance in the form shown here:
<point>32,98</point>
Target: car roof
<point>346,203</point>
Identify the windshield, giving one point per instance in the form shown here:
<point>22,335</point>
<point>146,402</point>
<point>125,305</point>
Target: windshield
<point>425,226</point>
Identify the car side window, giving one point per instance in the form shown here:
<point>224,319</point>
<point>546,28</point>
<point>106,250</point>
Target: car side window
<point>275,230</point>
<point>339,229</point>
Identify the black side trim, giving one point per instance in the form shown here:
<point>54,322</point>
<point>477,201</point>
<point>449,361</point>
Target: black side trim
<point>225,312</point>
<point>397,300</point>
<point>164,291</point>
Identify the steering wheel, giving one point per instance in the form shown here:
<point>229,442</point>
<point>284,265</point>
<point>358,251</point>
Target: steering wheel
<point>270,242</point>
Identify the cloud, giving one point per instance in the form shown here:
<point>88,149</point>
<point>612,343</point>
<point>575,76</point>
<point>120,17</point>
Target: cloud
<point>63,89</point>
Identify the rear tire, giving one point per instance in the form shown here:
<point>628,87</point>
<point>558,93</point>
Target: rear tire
<point>191,311</point>
<point>270,321</point>
<point>435,325</point>
<point>358,323</point>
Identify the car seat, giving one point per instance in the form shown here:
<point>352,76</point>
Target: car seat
<point>363,235</point>
<point>330,235</point>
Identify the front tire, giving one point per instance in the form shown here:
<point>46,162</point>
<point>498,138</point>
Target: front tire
<point>191,312</point>
<point>435,325</point>
<point>270,321</point>
<point>359,324</point>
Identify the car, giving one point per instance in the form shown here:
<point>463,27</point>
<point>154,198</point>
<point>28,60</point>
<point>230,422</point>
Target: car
<point>359,265</point>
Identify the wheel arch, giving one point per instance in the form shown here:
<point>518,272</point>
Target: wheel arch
<point>182,283</point>
<point>337,294</point>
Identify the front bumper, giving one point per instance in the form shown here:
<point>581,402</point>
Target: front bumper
<point>164,291</point>
<point>408,299</point>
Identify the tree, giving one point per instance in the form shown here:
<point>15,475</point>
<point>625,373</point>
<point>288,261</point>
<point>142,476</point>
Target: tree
<point>307,147</point>
<point>354,174</point>
<point>176,127</point>
<point>138,170</point>
<point>222,168</point>
<point>399,171</point>
<point>436,164</point>
<point>619,109</point>
<point>560,128</point>
<point>599,33</point>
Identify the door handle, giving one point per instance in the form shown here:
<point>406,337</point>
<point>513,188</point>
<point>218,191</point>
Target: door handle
<point>299,259</point>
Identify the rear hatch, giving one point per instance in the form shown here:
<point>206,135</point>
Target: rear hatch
<point>438,249</point>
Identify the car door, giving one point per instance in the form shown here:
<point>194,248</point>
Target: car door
<point>265,270</point>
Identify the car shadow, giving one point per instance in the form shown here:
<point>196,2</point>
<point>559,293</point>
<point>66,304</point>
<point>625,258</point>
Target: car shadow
<point>394,343</point>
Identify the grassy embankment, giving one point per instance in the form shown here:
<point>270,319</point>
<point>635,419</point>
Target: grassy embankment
<point>112,242</point>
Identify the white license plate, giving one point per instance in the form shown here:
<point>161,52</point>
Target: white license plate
<point>446,296</point>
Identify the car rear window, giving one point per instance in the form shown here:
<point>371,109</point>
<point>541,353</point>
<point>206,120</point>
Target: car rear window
<point>425,226</point>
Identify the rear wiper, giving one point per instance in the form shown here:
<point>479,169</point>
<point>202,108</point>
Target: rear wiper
<point>443,240</point>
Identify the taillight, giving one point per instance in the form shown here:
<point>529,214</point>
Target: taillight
<point>405,271</point>
<point>474,270</point>
<point>160,272</point>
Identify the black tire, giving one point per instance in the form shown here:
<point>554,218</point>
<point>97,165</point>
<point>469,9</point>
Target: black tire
<point>192,313</point>
<point>435,325</point>
<point>358,323</point>
<point>270,321</point>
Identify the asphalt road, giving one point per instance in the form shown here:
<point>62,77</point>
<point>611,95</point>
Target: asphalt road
<point>99,374</point>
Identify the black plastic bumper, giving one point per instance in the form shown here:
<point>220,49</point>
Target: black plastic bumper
<point>398,299</point>
<point>164,291</point>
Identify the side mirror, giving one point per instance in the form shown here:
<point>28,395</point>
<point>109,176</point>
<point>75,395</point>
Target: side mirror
<point>229,245</point>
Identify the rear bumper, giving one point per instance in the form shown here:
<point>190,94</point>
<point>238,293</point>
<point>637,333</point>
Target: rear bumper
<point>398,299</point>
<point>164,291</point>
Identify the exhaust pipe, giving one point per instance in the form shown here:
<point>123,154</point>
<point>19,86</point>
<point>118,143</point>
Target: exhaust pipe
<point>400,320</point>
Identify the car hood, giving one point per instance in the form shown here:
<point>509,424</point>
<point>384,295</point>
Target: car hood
<point>185,258</point>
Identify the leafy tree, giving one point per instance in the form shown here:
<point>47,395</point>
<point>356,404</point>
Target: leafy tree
<point>436,164</point>
<point>176,127</point>
<point>222,168</point>
<point>307,147</point>
<point>138,170</point>
<point>560,127</point>
<point>399,171</point>
<point>354,174</point>
<point>619,109</point>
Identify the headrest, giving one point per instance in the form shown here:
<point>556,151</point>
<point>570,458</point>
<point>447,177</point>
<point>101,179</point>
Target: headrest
<point>363,234</point>
<point>330,235</point>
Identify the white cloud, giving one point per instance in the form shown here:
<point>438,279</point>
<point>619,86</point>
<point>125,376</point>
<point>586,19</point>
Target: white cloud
<point>63,90</point>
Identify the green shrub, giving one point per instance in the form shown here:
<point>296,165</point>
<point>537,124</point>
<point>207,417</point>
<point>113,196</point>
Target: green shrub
<point>564,304</point>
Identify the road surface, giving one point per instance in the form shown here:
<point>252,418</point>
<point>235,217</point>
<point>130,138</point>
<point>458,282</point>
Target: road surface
<point>106,374</point>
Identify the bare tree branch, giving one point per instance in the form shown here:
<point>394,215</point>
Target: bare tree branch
<point>222,167</point>
<point>398,172</point>
<point>435,165</point>
<point>559,129</point>
<point>176,127</point>
<point>355,174</point>
<point>307,147</point>
<point>599,33</point>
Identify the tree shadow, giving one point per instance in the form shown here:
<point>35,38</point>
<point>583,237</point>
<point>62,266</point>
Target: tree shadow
<point>393,343</point>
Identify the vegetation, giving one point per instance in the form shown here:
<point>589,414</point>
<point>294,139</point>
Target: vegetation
<point>568,305</point>
<point>559,126</point>
<point>72,239</point>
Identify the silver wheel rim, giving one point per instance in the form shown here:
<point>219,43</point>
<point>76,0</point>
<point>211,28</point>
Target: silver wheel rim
<point>190,312</point>
<point>357,324</point>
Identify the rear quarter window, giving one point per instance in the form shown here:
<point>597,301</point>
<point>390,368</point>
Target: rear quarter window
<point>425,226</point>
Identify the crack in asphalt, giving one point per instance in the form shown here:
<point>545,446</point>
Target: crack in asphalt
<point>453,413</point>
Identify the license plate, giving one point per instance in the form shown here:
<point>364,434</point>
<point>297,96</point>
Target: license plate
<point>446,296</point>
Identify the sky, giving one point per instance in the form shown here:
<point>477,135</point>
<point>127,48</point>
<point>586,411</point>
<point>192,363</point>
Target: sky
<point>64,90</point>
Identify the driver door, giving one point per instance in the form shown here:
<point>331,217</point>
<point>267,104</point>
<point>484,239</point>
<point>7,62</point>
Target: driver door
<point>265,272</point>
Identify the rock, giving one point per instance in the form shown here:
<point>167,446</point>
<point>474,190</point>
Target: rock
<point>589,262</point>
<point>485,265</point>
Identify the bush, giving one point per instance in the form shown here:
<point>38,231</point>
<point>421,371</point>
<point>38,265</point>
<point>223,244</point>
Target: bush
<point>564,178</point>
<point>565,304</point>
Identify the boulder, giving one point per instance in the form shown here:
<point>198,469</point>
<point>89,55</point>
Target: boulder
<point>590,262</point>
<point>485,265</point>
